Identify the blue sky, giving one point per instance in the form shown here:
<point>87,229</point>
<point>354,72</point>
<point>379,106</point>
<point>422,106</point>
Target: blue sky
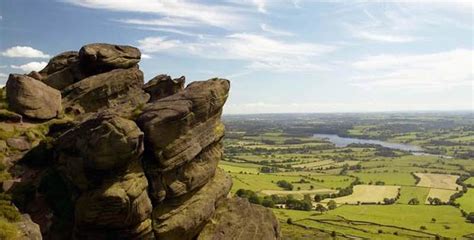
<point>281,56</point>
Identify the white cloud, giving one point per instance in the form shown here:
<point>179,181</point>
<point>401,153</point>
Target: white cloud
<point>24,51</point>
<point>260,5</point>
<point>174,12</point>
<point>434,71</point>
<point>31,66</point>
<point>164,22</point>
<point>157,44</point>
<point>261,52</point>
<point>146,56</point>
<point>381,37</point>
<point>274,31</point>
<point>337,107</point>
<point>170,30</point>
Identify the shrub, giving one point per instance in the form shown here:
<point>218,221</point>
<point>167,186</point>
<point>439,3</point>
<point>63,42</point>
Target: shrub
<point>414,201</point>
<point>285,185</point>
<point>332,205</point>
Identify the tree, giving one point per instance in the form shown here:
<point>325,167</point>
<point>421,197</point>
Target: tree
<point>470,217</point>
<point>414,201</point>
<point>285,184</point>
<point>332,205</point>
<point>320,208</point>
<point>433,220</point>
<point>430,200</point>
<point>289,221</point>
<point>268,203</point>
<point>437,201</point>
<point>317,198</point>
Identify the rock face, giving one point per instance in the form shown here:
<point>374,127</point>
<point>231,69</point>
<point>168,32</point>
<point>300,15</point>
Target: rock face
<point>139,161</point>
<point>101,157</point>
<point>237,217</point>
<point>32,98</point>
<point>102,57</point>
<point>163,86</point>
<point>105,90</point>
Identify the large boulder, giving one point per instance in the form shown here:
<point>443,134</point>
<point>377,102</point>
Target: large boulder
<point>60,62</point>
<point>117,209</point>
<point>101,157</point>
<point>98,145</point>
<point>102,57</point>
<point>182,218</point>
<point>61,71</point>
<point>65,77</point>
<point>32,98</point>
<point>163,86</point>
<point>179,127</point>
<point>186,178</point>
<point>120,87</point>
<point>237,219</point>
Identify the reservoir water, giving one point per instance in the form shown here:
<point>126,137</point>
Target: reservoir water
<point>344,141</point>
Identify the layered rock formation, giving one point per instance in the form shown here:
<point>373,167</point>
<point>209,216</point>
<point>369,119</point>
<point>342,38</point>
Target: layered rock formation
<point>128,160</point>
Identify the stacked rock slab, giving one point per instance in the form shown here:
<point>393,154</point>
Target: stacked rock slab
<point>101,157</point>
<point>32,98</point>
<point>140,161</point>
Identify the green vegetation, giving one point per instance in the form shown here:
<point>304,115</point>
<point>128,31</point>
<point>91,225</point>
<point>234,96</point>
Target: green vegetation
<point>408,193</point>
<point>467,201</point>
<point>8,216</point>
<point>394,194</point>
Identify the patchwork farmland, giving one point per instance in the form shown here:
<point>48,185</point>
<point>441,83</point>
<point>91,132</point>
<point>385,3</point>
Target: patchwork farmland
<point>320,190</point>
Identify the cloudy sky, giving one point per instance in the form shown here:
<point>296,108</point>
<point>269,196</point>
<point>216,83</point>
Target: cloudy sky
<point>281,56</point>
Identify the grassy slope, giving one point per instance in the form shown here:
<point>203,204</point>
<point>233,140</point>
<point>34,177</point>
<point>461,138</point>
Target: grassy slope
<point>467,201</point>
<point>407,193</point>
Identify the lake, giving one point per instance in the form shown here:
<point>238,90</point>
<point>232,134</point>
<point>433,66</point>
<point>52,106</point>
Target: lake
<point>344,141</point>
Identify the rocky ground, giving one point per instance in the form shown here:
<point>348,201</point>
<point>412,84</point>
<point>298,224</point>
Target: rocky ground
<point>88,151</point>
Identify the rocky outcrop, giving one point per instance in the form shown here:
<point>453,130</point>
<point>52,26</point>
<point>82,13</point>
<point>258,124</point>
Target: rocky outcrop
<point>163,86</point>
<point>182,218</point>
<point>102,57</point>
<point>101,157</point>
<point>136,161</point>
<point>32,98</point>
<point>237,217</point>
<point>106,90</point>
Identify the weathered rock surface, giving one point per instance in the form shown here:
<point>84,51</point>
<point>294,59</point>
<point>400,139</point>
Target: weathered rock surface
<point>137,161</point>
<point>180,126</point>
<point>60,62</point>
<point>101,157</point>
<point>32,98</point>
<point>237,219</point>
<point>28,229</point>
<point>163,86</point>
<point>18,143</point>
<point>183,218</point>
<point>118,87</point>
<point>102,57</point>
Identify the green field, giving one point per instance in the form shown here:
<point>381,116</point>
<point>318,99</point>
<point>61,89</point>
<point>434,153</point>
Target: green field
<point>389,178</point>
<point>467,201</point>
<point>470,181</point>
<point>283,145</point>
<point>407,193</point>
<point>262,181</point>
<point>367,220</point>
